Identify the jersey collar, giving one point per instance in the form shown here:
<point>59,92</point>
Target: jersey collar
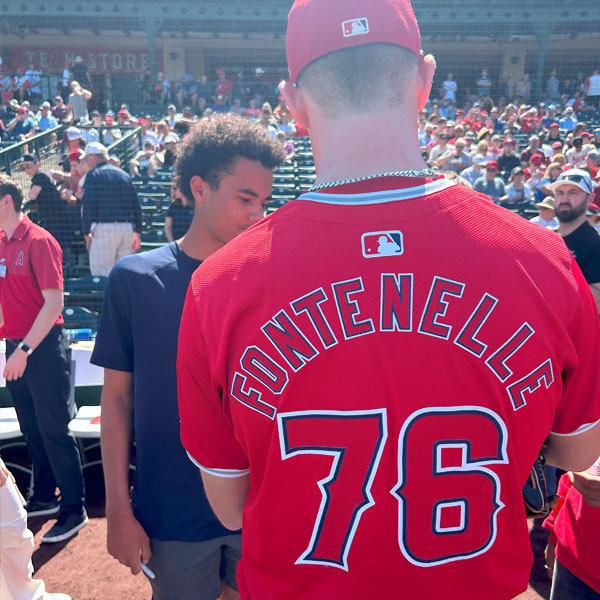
<point>366,192</point>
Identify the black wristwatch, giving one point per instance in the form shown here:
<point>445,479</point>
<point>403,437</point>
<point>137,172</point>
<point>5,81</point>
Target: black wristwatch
<point>27,349</point>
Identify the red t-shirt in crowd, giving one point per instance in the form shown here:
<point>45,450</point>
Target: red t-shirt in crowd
<point>385,363</point>
<point>575,530</point>
<point>30,261</point>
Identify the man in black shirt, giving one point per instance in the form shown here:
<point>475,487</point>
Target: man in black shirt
<point>80,72</point>
<point>573,193</point>
<point>111,211</point>
<point>508,160</point>
<point>45,201</point>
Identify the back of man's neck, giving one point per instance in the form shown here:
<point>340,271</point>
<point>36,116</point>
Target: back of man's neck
<point>365,145</point>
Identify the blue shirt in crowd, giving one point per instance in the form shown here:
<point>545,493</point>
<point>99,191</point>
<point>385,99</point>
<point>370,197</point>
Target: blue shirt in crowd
<point>45,123</point>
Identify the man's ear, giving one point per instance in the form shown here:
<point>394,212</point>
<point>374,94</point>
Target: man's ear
<point>294,99</point>
<point>199,188</point>
<point>590,200</point>
<point>425,73</point>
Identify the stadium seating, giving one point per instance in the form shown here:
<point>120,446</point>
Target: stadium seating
<point>80,317</point>
<point>86,291</point>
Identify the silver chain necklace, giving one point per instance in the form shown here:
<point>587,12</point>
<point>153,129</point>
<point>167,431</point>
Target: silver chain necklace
<point>410,173</point>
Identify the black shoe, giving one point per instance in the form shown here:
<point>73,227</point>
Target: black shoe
<point>36,508</point>
<point>66,526</point>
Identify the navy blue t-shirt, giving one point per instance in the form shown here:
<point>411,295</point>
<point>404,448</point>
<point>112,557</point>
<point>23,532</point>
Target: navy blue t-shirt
<point>138,333</point>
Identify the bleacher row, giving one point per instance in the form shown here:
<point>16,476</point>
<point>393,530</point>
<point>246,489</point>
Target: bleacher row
<point>84,294</point>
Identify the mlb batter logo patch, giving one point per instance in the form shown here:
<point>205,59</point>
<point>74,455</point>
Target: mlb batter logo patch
<point>377,244</point>
<point>354,27</point>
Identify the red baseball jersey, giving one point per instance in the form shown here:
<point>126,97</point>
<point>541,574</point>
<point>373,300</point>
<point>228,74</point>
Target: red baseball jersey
<point>574,529</point>
<point>386,363</point>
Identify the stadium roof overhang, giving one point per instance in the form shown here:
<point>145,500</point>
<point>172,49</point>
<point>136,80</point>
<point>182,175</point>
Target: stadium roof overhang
<point>432,14</point>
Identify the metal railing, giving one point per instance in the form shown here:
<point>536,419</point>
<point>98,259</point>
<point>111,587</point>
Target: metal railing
<point>47,147</point>
<point>127,147</point>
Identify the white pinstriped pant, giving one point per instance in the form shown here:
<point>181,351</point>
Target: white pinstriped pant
<point>110,243</point>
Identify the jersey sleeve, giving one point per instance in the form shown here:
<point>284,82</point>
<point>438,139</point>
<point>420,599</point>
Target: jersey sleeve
<point>579,407</point>
<point>114,343</point>
<point>46,263</point>
<point>207,432</point>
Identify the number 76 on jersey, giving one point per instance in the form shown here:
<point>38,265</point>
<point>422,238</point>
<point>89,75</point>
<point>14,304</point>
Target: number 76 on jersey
<point>448,498</point>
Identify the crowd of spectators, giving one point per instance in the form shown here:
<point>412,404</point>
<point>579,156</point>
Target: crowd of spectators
<point>57,195</point>
<point>513,151</point>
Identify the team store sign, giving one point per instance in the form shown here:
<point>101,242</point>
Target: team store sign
<point>51,60</point>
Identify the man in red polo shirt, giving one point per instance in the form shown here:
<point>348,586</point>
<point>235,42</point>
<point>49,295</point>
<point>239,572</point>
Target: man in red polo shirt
<point>38,365</point>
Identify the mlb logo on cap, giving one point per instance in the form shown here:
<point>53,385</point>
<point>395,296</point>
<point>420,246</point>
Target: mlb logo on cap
<point>377,244</point>
<point>355,27</point>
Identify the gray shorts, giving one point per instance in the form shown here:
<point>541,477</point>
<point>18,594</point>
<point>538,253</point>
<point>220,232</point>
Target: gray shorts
<point>194,570</point>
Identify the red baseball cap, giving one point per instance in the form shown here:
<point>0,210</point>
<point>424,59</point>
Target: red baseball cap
<point>556,145</point>
<point>76,154</point>
<point>460,112</point>
<point>554,125</point>
<point>318,27</point>
<point>493,164</point>
<point>536,159</point>
<point>509,141</point>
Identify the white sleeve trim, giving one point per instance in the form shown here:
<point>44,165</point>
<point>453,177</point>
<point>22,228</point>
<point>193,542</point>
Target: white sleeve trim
<point>582,429</point>
<point>226,473</point>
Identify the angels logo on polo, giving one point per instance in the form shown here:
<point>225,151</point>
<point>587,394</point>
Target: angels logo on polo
<point>377,244</point>
<point>20,262</point>
<point>354,27</point>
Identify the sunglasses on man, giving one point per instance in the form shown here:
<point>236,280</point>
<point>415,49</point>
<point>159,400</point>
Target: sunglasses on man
<point>577,179</point>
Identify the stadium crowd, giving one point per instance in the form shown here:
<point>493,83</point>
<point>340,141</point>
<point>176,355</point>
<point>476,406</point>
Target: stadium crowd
<point>511,150</point>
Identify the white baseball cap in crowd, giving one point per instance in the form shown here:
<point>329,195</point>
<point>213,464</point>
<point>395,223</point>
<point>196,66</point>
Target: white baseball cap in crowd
<point>73,133</point>
<point>577,177</point>
<point>95,148</point>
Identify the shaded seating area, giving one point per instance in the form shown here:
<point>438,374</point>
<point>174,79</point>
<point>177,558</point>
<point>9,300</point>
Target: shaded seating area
<point>293,178</point>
